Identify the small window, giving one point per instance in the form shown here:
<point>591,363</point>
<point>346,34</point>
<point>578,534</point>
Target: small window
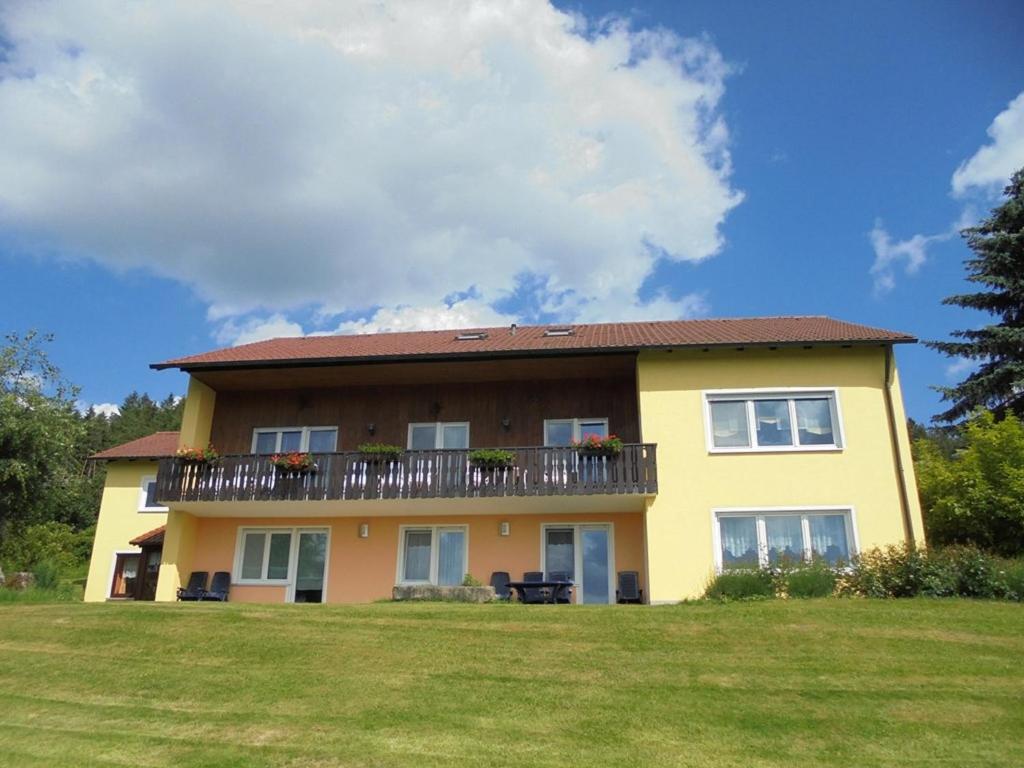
<point>476,336</point>
<point>433,555</point>
<point>147,495</point>
<point>559,332</point>
<point>264,555</point>
<point>761,539</point>
<point>773,421</point>
<point>558,432</point>
<point>267,440</point>
<point>439,434</point>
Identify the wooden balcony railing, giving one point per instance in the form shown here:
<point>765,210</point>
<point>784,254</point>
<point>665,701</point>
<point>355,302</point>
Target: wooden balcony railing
<point>445,474</point>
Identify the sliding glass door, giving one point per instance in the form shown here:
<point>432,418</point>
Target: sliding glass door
<point>583,554</point>
<point>310,567</point>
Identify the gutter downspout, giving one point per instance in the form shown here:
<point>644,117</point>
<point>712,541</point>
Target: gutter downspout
<point>908,525</point>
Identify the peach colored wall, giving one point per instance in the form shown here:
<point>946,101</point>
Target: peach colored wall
<point>361,570</point>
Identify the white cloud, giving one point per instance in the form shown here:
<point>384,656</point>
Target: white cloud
<point>912,252</point>
<point>256,329</point>
<point>101,409</point>
<point>989,169</point>
<point>960,366</point>
<point>341,157</point>
<point>468,313</point>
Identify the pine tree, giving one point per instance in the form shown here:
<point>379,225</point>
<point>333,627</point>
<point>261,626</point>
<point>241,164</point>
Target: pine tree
<point>998,244</point>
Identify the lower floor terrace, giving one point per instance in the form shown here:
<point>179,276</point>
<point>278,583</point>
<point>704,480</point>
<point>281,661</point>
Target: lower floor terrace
<point>351,559</point>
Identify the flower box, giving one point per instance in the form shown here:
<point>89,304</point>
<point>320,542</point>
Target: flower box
<point>293,464</point>
<point>595,445</point>
<point>491,458</point>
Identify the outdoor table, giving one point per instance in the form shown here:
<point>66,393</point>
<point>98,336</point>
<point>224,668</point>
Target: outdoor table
<point>550,591</point>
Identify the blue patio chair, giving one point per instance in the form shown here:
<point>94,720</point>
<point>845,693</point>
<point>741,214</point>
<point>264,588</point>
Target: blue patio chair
<point>219,587</point>
<point>531,594</point>
<point>500,580</point>
<point>565,596</point>
<point>196,587</point>
<point>629,588</point>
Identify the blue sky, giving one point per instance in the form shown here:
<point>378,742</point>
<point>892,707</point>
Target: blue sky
<point>795,131</point>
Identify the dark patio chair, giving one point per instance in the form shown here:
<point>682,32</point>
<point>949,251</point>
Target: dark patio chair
<point>565,596</point>
<point>500,580</point>
<point>196,586</point>
<point>219,587</point>
<point>629,588</point>
<point>531,594</point>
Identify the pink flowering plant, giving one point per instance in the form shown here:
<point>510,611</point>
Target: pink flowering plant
<point>596,445</point>
<point>294,461</point>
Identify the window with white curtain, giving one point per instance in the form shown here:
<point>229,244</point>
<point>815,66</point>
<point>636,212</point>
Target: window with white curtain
<point>765,538</point>
<point>438,434</point>
<point>559,432</point>
<point>264,555</point>
<point>433,554</point>
<point>772,420</point>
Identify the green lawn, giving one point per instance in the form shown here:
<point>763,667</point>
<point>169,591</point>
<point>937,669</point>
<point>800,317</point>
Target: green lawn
<point>848,683</point>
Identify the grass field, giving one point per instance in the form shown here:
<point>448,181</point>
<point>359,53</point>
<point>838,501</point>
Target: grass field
<point>807,683</point>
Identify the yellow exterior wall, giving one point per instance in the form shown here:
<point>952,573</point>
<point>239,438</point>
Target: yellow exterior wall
<point>119,522</point>
<point>693,482</point>
<point>179,541</point>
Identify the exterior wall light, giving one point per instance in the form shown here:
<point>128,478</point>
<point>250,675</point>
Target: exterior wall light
<point>364,530</point>
<point>505,528</point>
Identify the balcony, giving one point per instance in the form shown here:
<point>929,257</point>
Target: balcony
<point>435,474</point>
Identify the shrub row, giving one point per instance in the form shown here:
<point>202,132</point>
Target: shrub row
<point>890,572</point>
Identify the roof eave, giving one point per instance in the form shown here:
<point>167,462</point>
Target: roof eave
<point>505,355</point>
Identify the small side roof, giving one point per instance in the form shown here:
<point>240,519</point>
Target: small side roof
<point>156,446</point>
<point>150,538</point>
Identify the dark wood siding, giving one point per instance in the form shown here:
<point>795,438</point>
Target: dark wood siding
<point>391,408</point>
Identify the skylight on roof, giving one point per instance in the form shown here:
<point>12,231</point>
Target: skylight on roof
<point>476,336</point>
<point>559,331</point>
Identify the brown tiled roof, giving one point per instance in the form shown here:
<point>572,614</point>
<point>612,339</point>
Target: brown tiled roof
<point>156,536</point>
<point>532,339</point>
<point>154,446</point>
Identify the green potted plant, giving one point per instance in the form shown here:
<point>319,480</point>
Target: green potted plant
<point>380,453</point>
<point>595,445</point>
<point>491,458</point>
<point>293,463</point>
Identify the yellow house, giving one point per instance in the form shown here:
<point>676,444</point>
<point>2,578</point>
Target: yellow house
<point>707,445</point>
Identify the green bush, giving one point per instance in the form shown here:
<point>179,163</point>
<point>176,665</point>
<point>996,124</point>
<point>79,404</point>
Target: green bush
<point>741,585</point>
<point>63,593</point>
<point>900,571</point>
<point>491,458</point>
<point>814,580</point>
<point>47,575</point>
<point>26,547</point>
<point>471,581</point>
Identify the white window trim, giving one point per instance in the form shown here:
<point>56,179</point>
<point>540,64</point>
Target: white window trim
<point>438,432</point>
<point>303,440</point>
<point>435,550</point>
<point>113,566</point>
<point>146,480</point>
<point>578,554</point>
<point>293,557</point>
<point>576,429</point>
<point>760,512</point>
<point>773,393</point>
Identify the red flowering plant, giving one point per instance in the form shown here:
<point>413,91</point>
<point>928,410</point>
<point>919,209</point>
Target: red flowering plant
<point>207,455</point>
<point>595,445</point>
<point>293,462</point>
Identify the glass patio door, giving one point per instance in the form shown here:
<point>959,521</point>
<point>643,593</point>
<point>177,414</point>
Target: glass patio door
<point>584,553</point>
<point>310,567</point>
<point>596,568</point>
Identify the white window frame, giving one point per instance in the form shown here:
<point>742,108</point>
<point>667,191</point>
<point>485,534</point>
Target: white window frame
<point>438,432</point>
<point>577,431</point>
<point>577,548</point>
<point>788,394</point>
<point>435,551</point>
<point>303,440</point>
<point>143,483</point>
<point>760,513</point>
<point>293,557</point>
